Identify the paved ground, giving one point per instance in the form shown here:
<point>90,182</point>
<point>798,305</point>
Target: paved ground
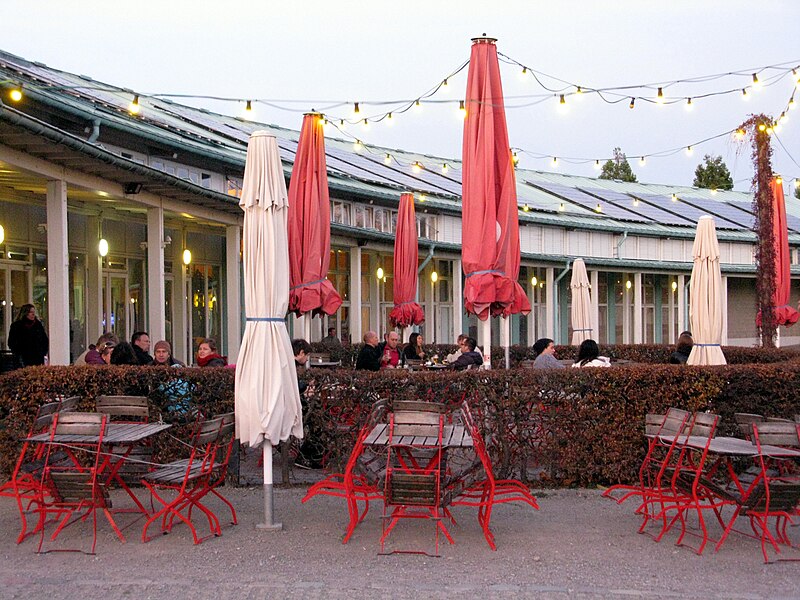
<point>578,545</point>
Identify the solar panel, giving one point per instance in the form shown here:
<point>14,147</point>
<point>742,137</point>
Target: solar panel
<point>792,222</point>
<point>688,211</point>
<point>591,203</point>
<point>733,216</point>
<point>646,207</point>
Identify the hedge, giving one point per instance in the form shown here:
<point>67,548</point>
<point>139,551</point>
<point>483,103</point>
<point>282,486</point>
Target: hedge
<point>560,427</point>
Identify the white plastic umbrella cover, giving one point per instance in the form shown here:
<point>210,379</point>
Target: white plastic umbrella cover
<point>267,399</point>
<point>705,300</point>
<point>581,309</point>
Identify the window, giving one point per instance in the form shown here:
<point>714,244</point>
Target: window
<point>340,212</point>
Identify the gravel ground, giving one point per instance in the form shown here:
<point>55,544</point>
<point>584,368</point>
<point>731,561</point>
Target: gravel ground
<point>578,545</point>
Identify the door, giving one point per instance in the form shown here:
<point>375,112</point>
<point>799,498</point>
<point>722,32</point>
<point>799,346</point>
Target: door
<point>15,290</point>
<point>116,305</point>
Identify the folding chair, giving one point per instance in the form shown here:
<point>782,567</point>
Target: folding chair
<point>188,480</point>
<point>25,483</point>
<point>360,480</point>
<point>744,421</point>
<point>487,492</point>
<point>779,495</point>
<point>74,491</point>
<point>414,466</point>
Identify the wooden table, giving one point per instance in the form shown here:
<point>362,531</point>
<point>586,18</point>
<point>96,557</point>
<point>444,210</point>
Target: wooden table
<point>453,436</point>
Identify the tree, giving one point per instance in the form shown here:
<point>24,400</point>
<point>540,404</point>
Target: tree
<point>713,174</point>
<point>618,168</point>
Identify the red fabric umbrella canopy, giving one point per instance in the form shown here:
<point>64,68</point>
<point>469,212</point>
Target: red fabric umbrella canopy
<point>784,314</point>
<point>490,228</point>
<point>406,311</point>
<point>309,225</point>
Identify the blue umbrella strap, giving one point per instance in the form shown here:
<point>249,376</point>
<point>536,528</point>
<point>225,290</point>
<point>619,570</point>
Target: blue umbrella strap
<point>498,271</point>
<point>294,287</point>
<point>273,319</point>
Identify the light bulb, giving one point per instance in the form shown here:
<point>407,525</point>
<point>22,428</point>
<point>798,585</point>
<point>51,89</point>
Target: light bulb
<point>756,82</point>
<point>635,202</point>
<point>633,103</point>
<point>674,285</point>
<point>598,208</point>
<point>745,96</point>
<point>628,284</point>
<point>358,146</point>
<point>597,165</point>
<point>365,124</point>
<point>555,162</point>
<point>434,277</point>
<point>779,180</point>
<point>660,96</point>
<point>515,158</point>
<point>444,167</point>
<point>561,207</point>
<point>689,151</point>
<point>642,161</point>
<point>417,105</point>
<point>102,247</point>
<point>689,105</point>
<point>2,234</point>
<point>416,166</point>
<point>388,159</point>
<point>356,109</point>
<point>379,273</point>
<point>134,107</point>
<point>674,197</point>
<point>561,99</point>
<point>462,110</point>
<point>389,119</point>
<point>534,281</point>
<point>248,107</point>
<point>16,94</point>
<point>187,257</point>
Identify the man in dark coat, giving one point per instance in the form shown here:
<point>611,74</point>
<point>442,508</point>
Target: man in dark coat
<point>27,338</point>
<point>141,346</point>
<point>469,358</point>
<point>369,358</point>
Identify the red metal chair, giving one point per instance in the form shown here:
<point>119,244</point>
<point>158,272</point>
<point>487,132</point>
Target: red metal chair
<point>25,483</point>
<point>75,490</point>
<point>488,491</point>
<point>188,480</point>
<point>360,481</point>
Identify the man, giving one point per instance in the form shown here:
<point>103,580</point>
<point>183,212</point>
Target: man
<point>311,451</point>
<point>369,357</point>
<point>390,353</point>
<point>545,351</point>
<point>330,340</point>
<point>141,346</point>
<point>469,357</point>
<point>451,358</point>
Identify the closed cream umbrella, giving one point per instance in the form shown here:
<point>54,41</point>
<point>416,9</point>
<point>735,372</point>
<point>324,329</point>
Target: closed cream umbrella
<point>581,309</point>
<point>705,297</point>
<point>267,400</point>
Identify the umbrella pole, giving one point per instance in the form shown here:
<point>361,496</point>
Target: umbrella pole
<point>268,524</point>
<point>485,329</point>
<point>505,334</point>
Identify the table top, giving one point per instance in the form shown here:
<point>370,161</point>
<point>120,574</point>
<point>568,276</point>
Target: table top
<point>733,446</point>
<point>435,367</point>
<point>453,436</point>
<point>324,364</point>
<point>116,433</point>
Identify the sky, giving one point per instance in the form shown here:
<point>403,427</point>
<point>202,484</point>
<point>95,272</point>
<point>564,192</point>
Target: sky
<point>320,54</point>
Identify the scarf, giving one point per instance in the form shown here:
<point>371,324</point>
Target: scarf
<point>204,361</point>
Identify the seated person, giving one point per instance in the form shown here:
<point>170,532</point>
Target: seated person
<point>413,349</point>
<point>369,357</point>
<point>544,351</point>
<point>589,356</point>
<point>330,341</point>
<point>682,349</point>
<point>124,354</point>
<point>301,349</point>
<point>207,355</point>
<point>451,358</point>
<point>390,353</point>
<point>162,355</point>
<point>94,355</point>
<point>469,357</point>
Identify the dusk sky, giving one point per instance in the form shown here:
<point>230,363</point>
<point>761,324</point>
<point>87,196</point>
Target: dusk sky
<point>327,55</point>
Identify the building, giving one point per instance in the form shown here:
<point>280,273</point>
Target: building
<point>77,166</point>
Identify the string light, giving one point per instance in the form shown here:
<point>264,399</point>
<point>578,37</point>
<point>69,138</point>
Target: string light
<point>674,197</point>
<point>555,162</point>
<point>689,105</point>
<point>417,104</point>
<point>134,107</point>
<point>597,165</point>
<point>388,159</point>
<point>356,109</point>
<point>756,82</point>
<point>16,93</point>
<point>689,151</point>
<point>635,202</point>
<point>561,99</point>
<point>598,208</point>
<point>444,168</point>
<point>633,103</point>
<point>462,110</point>
<point>358,146</point>
<point>744,94</point>
<point>534,281</point>
<point>444,83</point>
<point>366,123</point>
<point>660,96</point>
<point>561,207</point>
<point>416,166</point>
<point>642,161</point>
<point>389,119</point>
<point>515,158</point>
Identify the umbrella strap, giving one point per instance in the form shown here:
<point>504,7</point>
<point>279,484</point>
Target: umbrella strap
<point>276,319</point>
<point>588,329</point>
<point>402,303</point>
<point>294,287</point>
<point>486,271</point>
<point>707,345</point>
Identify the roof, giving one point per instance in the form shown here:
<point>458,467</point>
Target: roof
<point>376,173</point>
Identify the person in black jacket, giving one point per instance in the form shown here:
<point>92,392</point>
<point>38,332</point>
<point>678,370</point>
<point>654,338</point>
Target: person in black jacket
<point>141,346</point>
<point>27,339</point>
<point>413,349</point>
<point>682,349</point>
<point>369,357</point>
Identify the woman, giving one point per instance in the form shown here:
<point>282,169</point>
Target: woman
<point>27,338</point>
<point>207,354</point>
<point>589,356</point>
<point>124,354</point>
<point>162,355</point>
<point>413,349</point>
<point>682,349</point>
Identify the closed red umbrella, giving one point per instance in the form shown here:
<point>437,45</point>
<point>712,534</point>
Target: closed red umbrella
<point>310,225</point>
<point>784,314</point>
<point>406,311</point>
<point>490,227</point>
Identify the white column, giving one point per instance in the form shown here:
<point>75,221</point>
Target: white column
<point>430,309</point>
<point>532,316</point>
<point>638,328</point>
<point>355,295</point>
<point>180,328</point>
<point>550,304</point>
<point>57,273</point>
<point>595,310</point>
<point>681,291</point>
<point>724,298</point>
<point>375,287</point>
<point>94,282</point>
<point>233,286</point>
<point>458,300</point>
<point>157,326</point>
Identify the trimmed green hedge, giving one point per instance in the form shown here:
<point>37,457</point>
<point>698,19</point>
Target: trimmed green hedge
<point>562,427</point>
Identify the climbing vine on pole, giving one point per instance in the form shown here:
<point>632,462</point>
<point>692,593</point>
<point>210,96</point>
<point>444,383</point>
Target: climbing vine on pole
<point>758,129</point>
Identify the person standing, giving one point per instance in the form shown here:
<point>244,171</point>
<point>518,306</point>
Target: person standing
<point>27,339</point>
<point>141,346</point>
<point>369,357</point>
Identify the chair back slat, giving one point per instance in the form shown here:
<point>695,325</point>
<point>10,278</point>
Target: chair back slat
<point>652,424</point>
<point>74,486</point>
<point>777,433</point>
<point>207,431</point>
<point>704,424</point>
<point>78,423</point>
<point>123,406</point>
<point>778,420</point>
<point>44,417</point>
<point>674,421</point>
